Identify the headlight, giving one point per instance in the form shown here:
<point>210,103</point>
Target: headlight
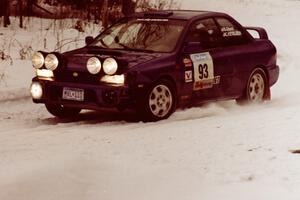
<point>116,79</point>
<point>44,73</point>
<point>51,62</point>
<point>37,60</point>
<point>93,65</point>
<point>110,66</point>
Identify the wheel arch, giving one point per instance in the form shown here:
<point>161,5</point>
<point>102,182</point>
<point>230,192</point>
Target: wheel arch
<point>170,79</point>
<point>144,111</point>
<point>264,68</point>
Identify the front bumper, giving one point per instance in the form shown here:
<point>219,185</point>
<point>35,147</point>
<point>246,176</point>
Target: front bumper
<point>95,96</point>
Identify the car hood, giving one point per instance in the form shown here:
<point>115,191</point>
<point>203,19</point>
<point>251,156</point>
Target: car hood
<point>77,59</point>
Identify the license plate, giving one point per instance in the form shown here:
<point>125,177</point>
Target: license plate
<point>73,94</point>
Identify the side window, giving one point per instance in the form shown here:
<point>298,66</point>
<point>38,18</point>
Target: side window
<point>230,33</point>
<point>206,32</point>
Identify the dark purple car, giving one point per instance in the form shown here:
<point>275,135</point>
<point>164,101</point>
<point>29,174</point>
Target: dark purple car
<point>157,61</point>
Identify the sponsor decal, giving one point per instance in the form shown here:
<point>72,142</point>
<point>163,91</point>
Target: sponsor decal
<point>204,77</point>
<point>153,20</point>
<point>188,76</point>
<point>206,84</point>
<point>187,62</point>
<point>227,29</point>
<point>230,32</point>
<point>200,57</point>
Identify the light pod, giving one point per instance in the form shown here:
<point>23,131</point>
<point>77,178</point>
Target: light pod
<point>110,66</point>
<point>93,65</point>
<point>37,60</point>
<point>51,61</point>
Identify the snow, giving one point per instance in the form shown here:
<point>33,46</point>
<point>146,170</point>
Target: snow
<point>219,151</point>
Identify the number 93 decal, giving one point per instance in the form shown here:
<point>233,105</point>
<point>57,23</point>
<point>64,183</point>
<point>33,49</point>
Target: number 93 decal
<point>204,71</point>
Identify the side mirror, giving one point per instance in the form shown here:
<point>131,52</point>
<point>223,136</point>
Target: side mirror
<point>89,40</point>
<point>191,47</point>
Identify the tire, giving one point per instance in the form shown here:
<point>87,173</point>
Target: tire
<point>257,89</point>
<point>61,111</point>
<point>157,102</point>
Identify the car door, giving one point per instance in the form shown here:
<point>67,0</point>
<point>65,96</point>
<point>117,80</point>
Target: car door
<point>237,48</point>
<point>205,64</point>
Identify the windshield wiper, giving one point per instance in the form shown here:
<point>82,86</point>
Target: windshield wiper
<point>117,40</point>
<point>104,46</point>
<point>96,47</point>
<point>137,50</point>
<point>124,46</point>
<point>142,50</point>
<point>103,43</point>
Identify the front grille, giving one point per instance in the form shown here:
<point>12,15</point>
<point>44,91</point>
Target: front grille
<point>55,93</point>
<point>76,77</point>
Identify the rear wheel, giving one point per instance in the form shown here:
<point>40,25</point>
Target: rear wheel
<point>257,89</point>
<point>62,111</point>
<point>158,102</point>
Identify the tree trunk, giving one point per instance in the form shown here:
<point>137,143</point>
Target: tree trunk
<point>105,14</point>
<point>21,13</point>
<point>98,12</point>
<point>5,12</point>
<point>30,4</point>
<point>2,8</point>
<point>128,7</point>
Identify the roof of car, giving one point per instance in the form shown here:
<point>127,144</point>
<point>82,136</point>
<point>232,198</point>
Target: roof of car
<point>178,14</point>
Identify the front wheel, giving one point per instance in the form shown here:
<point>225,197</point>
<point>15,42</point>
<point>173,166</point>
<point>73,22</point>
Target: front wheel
<point>158,102</point>
<point>257,89</point>
<point>62,111</point>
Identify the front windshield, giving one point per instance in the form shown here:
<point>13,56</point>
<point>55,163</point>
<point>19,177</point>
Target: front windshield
<point>155,35</point>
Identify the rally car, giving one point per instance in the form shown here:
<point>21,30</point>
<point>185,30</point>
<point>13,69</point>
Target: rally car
<point>157,61</point>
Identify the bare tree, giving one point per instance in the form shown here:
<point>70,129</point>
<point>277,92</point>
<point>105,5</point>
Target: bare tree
<point>30,4</point>
<point>105,14</point>
<point>157,4</point>
<point>4,11</point>
<point>128,7</point>
<point>20,3</point>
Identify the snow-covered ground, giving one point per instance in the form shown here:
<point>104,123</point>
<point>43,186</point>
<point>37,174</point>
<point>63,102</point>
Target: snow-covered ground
<point>221,151</point>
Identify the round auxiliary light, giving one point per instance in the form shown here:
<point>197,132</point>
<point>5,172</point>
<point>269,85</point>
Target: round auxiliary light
<point>37,60</point>
<point>93,65</point>
<point>51,62</point>
<point>36,90</point>
<point>110,66</point>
